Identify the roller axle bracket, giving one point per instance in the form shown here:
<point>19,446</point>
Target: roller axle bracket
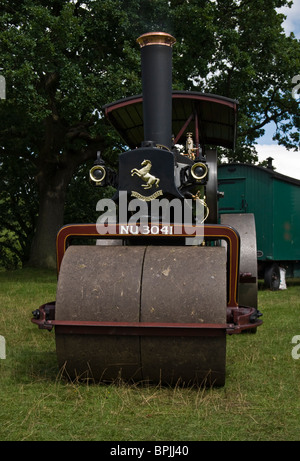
<point>239,320</point>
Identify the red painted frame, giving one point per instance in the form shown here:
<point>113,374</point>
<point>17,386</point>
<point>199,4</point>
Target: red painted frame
<point>216,231</point>
<point>239,318</point>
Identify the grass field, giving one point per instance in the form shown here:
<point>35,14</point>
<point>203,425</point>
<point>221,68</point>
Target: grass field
<point>260,401</point>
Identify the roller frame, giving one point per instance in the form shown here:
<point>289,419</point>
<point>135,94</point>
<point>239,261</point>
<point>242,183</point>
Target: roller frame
<point>239,318</point>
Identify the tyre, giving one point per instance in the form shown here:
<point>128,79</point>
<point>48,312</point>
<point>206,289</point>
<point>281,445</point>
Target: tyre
<point>272,277</point>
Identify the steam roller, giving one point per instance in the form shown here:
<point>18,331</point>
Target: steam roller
<point>154,300</point>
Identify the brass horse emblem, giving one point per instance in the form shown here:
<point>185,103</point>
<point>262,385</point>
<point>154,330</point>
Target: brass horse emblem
<point>145,175</point>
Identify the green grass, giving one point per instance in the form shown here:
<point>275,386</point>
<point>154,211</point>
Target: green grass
<point>260,401</point>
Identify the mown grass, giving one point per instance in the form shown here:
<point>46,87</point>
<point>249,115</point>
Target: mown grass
<point>260,401</point>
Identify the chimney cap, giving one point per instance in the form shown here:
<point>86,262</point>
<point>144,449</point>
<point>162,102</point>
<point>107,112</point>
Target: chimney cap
<point>156,38</point>
<point>269,165</point>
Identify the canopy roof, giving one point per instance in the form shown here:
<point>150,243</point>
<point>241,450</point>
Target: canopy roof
<point>212,119</point>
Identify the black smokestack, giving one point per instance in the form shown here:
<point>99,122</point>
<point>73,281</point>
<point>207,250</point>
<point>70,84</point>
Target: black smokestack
<point>156,56</point>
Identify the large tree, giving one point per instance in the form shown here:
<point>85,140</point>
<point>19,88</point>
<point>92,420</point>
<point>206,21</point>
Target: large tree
<point>64,59</point>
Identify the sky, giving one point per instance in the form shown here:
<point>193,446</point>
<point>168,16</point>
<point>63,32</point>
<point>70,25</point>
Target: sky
<point>286,162</point>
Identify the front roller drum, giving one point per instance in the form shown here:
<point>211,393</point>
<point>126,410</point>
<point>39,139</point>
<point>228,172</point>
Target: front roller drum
<point>161,285</point>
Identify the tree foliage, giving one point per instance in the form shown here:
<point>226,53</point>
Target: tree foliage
<point>18,211</point>
<point>63,60</point>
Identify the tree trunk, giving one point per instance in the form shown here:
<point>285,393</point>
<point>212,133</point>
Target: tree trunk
<point>53,182</point>
<point>57,165</point>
